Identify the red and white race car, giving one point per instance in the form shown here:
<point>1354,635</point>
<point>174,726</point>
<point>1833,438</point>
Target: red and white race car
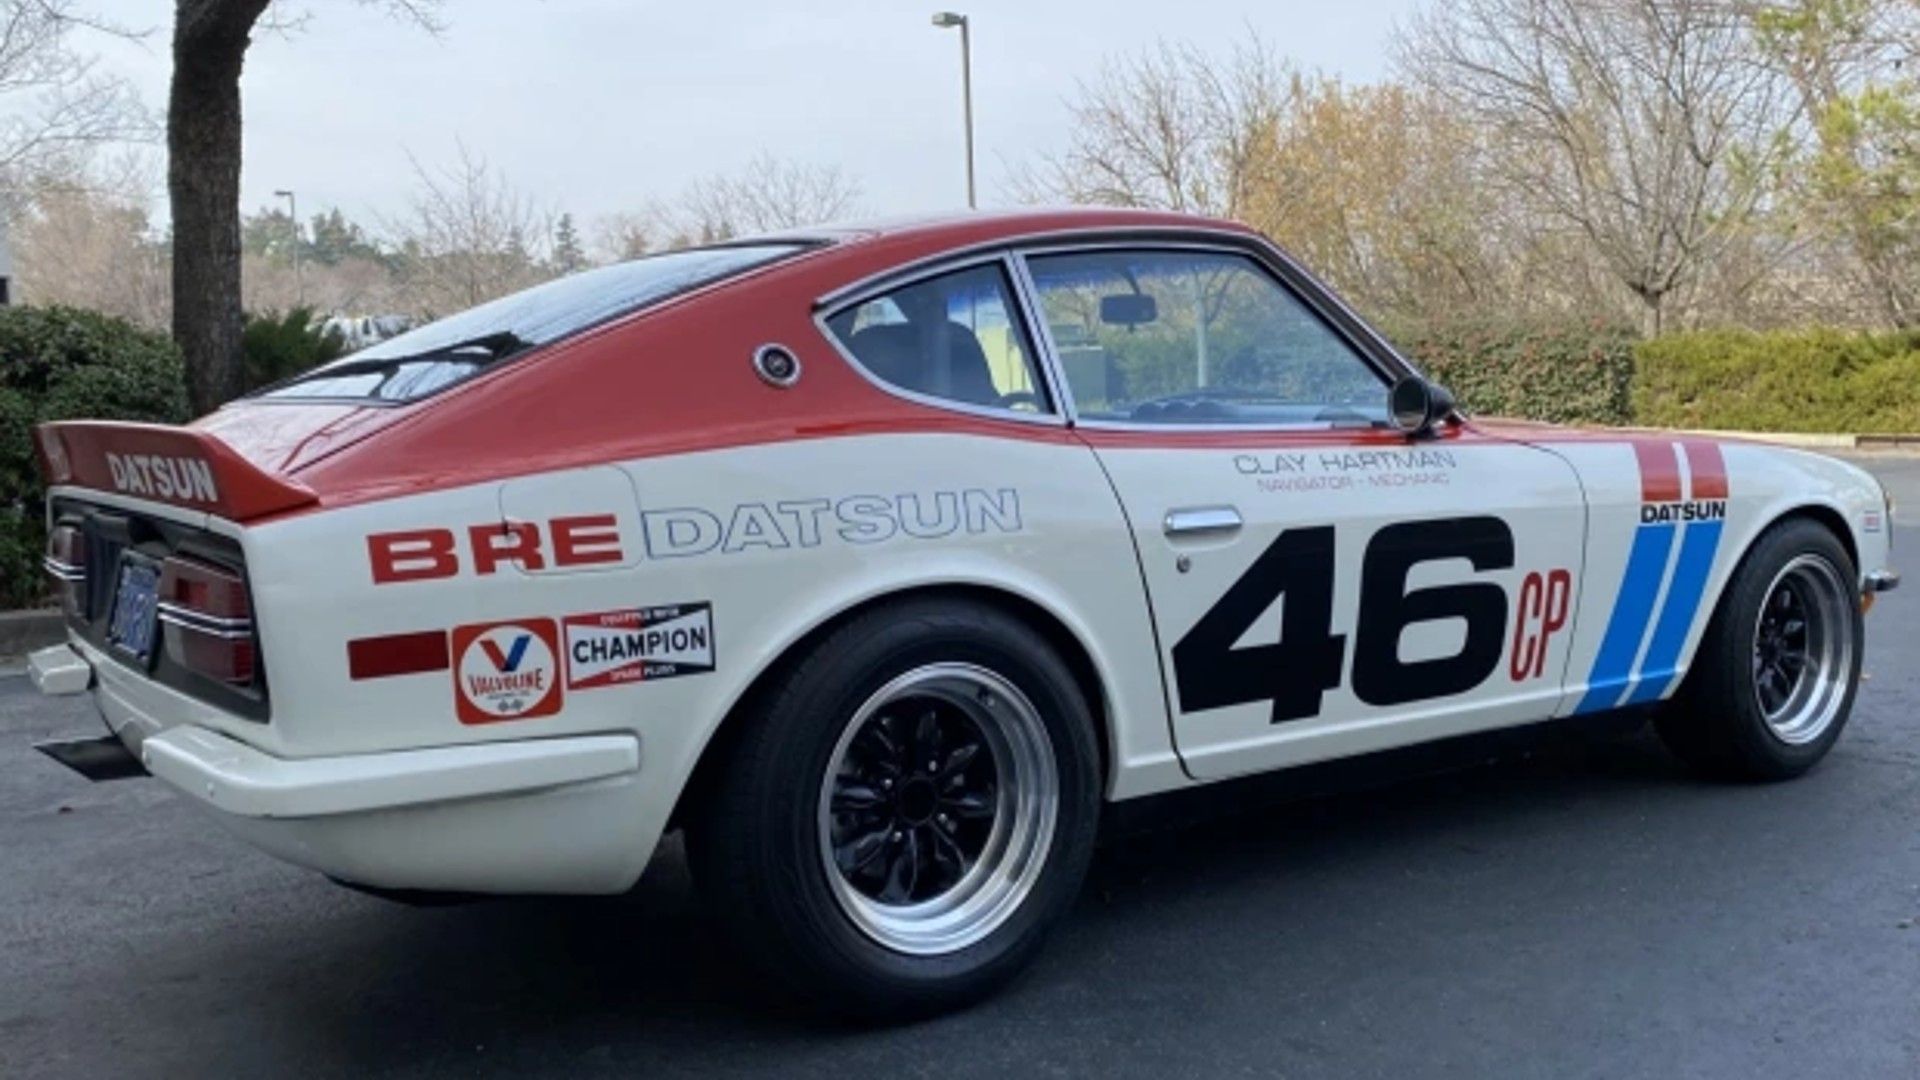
<point>880,559</point>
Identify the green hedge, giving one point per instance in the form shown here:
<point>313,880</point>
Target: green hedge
<point>62,364</point>
<point>1816,380</point>
<point>1803,380</point>
<point>1565,372</point>
<point>278,346</point>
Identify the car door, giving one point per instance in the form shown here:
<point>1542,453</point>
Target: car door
<point>1321,584</point>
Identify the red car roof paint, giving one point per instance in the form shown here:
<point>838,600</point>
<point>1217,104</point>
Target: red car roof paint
<point>676,377</point>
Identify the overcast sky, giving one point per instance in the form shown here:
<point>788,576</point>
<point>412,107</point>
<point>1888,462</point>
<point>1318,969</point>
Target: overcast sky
<point>593,106</point>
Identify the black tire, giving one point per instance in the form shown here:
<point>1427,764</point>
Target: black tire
<point>756,842</point>
<point>1717,723</point>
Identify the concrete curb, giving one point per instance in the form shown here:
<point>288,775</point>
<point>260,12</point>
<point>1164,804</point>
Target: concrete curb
<point>1789,438</point>
<point>1897,442</point>
<point>21,632</point>
<point>1820,441</point>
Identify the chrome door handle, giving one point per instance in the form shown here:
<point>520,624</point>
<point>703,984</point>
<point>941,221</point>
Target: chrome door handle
<point>1201,520</point>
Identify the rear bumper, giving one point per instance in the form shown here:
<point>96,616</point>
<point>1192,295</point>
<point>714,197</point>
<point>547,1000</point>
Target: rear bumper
<point>554,815</point>
<point>236,779</point>
<point>533,816</point>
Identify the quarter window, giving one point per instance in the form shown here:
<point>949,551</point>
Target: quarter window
<point>955,337</point>
<point>1194,337</point>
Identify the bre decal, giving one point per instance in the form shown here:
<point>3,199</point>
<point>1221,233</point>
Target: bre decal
<point>595,539</point>
<point>427,554</point>
<point>638,644</point>
<point>506,671</point>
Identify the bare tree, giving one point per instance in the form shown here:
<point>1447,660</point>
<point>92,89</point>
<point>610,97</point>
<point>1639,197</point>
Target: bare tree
<point>629,234</point>
<point>768,195</point>
<point>55,105</point>
<point>1377,188</point>
<point>210,41</point>
<point>1644,125</point>
<point>84,237</point>
<point>468,237</point>
<point>1856,176</point>
<point>1170,128</point>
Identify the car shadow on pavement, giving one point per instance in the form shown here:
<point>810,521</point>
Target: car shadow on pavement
<point>642,979</point>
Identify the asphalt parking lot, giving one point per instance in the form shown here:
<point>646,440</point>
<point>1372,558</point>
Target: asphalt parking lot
<point>1585,911</point>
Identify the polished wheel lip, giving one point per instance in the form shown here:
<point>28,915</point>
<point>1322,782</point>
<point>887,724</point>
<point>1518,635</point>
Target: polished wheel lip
<point>1009,862</point>
<point>1811,588</point>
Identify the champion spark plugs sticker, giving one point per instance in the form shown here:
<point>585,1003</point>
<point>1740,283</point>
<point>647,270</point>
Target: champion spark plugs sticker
<point>506,671</point>
<point>637,644</point>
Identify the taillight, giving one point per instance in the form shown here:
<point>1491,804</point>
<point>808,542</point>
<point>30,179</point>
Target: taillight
<point>66,563</point>
<point>209,620</point>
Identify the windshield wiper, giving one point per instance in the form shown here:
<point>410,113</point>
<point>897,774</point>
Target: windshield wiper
<point>495,347</point>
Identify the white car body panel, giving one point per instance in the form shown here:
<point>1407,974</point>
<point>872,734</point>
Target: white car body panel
<point>1069,555</point>
<point>1764,484</point>
<point>1358,492</point>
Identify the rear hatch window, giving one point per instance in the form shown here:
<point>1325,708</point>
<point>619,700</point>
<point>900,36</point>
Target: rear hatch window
<point>433,357</point>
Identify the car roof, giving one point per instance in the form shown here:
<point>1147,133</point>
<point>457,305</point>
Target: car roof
<point>968,227</point>
<point>352,451</point>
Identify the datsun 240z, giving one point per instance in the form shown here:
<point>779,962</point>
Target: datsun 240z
<point>880,560</point>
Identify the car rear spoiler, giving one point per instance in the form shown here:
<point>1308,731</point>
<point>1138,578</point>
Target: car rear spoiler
<point>174,465</point>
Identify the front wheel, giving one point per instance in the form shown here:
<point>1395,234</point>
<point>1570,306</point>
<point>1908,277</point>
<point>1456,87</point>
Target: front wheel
<point>909,813</point>
<point>1773,681</point>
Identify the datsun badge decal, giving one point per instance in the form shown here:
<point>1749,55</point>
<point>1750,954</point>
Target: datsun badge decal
<point>636,644</point>
<point>506,671</point>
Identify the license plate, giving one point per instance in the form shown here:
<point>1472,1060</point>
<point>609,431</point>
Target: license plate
<point>135,604</point>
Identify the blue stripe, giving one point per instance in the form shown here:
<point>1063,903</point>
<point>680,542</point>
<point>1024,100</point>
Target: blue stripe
<point>1677,614</point>
<point>1632,611</point>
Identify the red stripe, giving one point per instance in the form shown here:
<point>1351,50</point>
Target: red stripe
<point>1708,469</point>
<point>398,654</point>
<point>1659,471</point>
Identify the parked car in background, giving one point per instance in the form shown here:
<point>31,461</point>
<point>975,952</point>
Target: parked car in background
<point>359,331</point>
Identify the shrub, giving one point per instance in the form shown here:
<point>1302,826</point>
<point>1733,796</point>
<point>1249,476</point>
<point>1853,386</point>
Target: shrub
<point>278,347</point>
<point>1567,372</point>
<point>63,364</point>
<point>1798,380</point>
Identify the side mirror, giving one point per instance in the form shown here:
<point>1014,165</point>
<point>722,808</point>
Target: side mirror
<point>1416,405</point>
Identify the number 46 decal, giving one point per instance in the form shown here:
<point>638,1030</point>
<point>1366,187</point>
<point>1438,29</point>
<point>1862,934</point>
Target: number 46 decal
<point>1297,671</point>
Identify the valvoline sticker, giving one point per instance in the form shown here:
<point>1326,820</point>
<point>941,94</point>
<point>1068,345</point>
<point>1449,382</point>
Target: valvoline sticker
<point>506,671</point>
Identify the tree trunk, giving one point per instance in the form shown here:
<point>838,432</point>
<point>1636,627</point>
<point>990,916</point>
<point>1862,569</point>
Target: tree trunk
<point>1653,321</point>
<point>210,39</point>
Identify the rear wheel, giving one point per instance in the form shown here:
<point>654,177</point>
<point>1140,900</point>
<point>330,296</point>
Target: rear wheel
<point>908,815</point>
<point>1773,681</point>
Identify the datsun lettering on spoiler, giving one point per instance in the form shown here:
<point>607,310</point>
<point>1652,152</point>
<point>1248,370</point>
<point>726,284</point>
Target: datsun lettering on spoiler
<point>177,466</point>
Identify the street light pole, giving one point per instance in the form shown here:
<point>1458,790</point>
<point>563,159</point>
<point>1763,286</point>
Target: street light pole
<point>947,20</point>
<point>299,282</point>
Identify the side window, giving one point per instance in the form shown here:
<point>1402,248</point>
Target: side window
<point>954,337</point>
<point>1192,337</point>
